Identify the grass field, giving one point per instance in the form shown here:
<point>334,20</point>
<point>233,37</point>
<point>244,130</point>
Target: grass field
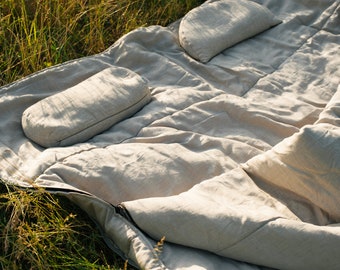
<point>35,34</point>
<point>40,230</point>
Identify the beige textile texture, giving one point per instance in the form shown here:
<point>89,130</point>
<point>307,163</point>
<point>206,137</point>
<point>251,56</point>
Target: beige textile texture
<point>306,164</point>
<point>86,109</point>
<point>217,25</point>
<point>235,161</point>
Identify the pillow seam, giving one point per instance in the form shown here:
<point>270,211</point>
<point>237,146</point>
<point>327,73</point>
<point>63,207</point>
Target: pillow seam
<point>106,118</point>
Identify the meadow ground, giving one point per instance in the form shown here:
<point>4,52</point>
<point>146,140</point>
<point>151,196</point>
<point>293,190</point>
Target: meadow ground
<point>40,230</point>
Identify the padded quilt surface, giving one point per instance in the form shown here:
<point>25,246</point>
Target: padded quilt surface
<point>235,162</point>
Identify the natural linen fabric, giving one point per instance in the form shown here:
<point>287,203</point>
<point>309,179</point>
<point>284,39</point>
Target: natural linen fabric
<point>215,26</point>
<point>86,109</point>
<point>331,114</point>
<point>306,164</point>
<point>176,167</point>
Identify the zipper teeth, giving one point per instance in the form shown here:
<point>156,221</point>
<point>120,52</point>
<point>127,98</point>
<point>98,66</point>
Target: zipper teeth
<point>121,210</point>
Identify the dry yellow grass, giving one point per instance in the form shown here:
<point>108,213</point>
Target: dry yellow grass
<point>41,33</point>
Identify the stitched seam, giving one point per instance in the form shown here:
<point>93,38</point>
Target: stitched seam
<point>103,120</point>
<point>294,52</point>
<point>136,135</point>
<point>247,236</point>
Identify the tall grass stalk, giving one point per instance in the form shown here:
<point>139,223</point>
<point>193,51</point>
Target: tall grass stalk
<point>35,34</point>
<point>40,230</point>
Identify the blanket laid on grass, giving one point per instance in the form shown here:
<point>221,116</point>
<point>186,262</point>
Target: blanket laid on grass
<point>218,136</point>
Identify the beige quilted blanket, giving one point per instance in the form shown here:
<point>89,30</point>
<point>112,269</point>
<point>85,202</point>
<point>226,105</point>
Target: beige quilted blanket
<point>235,160</point>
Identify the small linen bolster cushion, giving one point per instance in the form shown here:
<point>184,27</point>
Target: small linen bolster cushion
<point>86,109</point>
<point>215,26</point>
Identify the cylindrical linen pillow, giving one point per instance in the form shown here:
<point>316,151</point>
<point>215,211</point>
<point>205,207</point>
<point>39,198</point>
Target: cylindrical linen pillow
<point>215,26</point>
<point>86,109</point>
